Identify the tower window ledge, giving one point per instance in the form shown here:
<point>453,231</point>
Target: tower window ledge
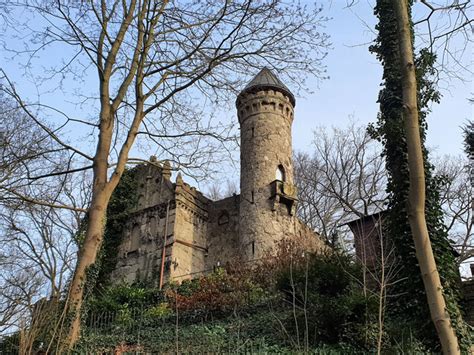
<point>284,193</point>
<point>284,189</point>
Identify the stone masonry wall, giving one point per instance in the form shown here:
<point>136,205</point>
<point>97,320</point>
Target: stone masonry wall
<point>265,118</point>
<point>141,249</point>
<point>310,240</point>
<point>202,234</point>
<point>223,232</point>
<point>142,246</point>
<point>190,232</point>
<point>154,185</point>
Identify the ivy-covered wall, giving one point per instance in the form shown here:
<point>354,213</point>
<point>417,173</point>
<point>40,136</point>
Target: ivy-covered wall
<point>122,203</point>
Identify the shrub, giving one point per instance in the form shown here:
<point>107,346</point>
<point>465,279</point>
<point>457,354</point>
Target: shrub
<point>216,294</point>
<point>327,301</point>
<point>160,311</point>
<point>118,297</point>
<point>314,298</point>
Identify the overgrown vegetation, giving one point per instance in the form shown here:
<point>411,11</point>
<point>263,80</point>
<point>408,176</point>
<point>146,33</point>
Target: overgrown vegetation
<point>289,301</point>
<point>122,202</point>
<point>330,306</point>
<point>294,301</point>
<point>410,305</point>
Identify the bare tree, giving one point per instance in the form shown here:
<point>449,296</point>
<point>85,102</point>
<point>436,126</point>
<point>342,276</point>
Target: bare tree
<point>42,238</point>
<point>380,271</point>
<point>38,254</point>
<point>16,296</point>
<point>456,200</point>
<point>150,60</point>
<point>343,179</point>
<point>27,152</point>
<point>218,191</point>
<point>445,28</point>
<point>468,133</point>
<point>38,249</point>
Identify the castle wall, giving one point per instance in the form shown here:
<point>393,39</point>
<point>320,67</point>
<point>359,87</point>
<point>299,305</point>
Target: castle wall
<point>310,239</point>
<point>190,232</point>
<point>154,185</point>
<point>202,234</point>
<point>140,253</point>
<point>223,231</point>
<point>141,249</point>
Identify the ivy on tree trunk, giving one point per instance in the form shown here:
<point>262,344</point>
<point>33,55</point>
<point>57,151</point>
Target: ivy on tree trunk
<point>410,304</point>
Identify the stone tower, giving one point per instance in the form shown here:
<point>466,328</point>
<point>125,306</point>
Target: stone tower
<point>267,194</point>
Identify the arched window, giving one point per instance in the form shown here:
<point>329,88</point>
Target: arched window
<point>280,173</point>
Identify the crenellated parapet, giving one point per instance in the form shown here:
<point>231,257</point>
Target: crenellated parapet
<point>264,101</point>
<point>192,200</point>
<point>153,183</point>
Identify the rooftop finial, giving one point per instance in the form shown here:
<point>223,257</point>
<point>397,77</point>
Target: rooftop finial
<point>179,179</point>
<point>167,169</point>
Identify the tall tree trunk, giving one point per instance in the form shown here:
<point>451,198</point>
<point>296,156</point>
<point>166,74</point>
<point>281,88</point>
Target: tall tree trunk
<point>101,192</point>
<point>88,256</point>
<point>416,199</point>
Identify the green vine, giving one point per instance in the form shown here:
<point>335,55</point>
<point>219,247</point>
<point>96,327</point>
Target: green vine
<point>122,202</point>
<point>410,304</point>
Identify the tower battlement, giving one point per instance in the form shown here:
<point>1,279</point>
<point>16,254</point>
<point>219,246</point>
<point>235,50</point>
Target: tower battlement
<point>264,101</point>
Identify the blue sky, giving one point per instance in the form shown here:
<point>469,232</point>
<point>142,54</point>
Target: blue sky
<point>355,76</point>
<point>351,90</point>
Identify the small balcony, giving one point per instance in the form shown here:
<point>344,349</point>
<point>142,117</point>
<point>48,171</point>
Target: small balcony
<point>284,193</point>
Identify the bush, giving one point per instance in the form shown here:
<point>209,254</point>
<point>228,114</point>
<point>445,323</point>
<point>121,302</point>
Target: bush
<point>217,294</point>
<point>292,298</point>
<point>160,311</point>
<point>327,301</point>
<point>119,297</point>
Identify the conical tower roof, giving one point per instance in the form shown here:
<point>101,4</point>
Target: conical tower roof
<point>267,80</point>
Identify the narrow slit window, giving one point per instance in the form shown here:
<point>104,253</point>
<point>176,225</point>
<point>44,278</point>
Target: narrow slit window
<point>253,248</point>
<point>253,132</point>
<point>252,197</point>
<point>135,238</point>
